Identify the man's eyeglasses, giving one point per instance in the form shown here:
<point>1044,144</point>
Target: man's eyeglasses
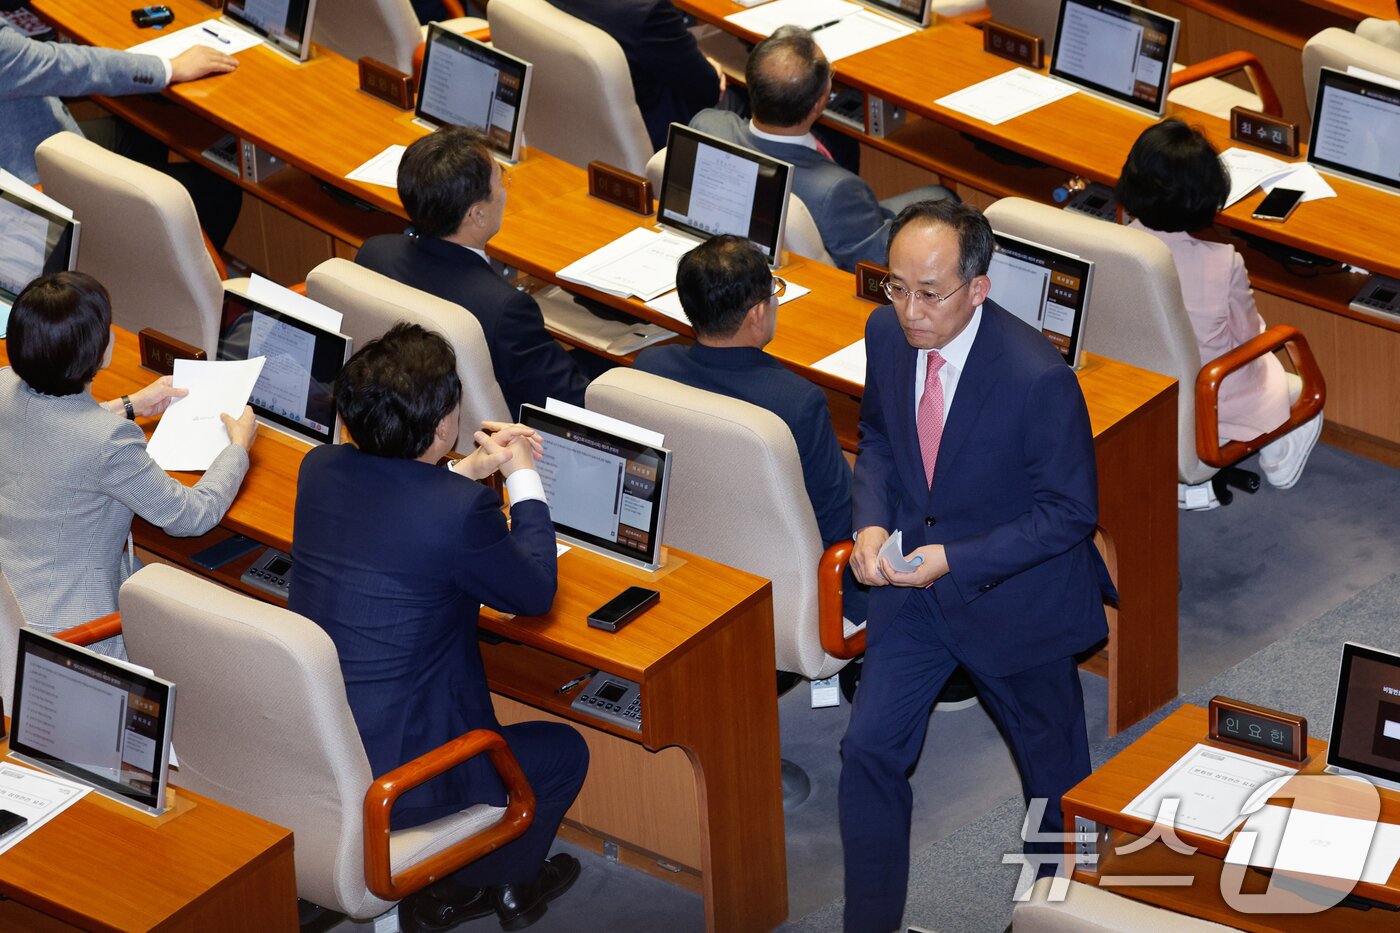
<point>779,286</point>
<point>899,294</point>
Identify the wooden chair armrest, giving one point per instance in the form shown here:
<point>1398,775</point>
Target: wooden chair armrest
<point>1308,405</point>
<point>219,265</point>
<point>830,574</point>
<point>455,10</point>
<point>380,798</point>
<point>1229,63</point>
<point>92,632</point>
<point>299,288</point>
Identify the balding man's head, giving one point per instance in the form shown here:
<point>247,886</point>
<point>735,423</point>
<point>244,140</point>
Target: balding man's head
<point>787,76</point>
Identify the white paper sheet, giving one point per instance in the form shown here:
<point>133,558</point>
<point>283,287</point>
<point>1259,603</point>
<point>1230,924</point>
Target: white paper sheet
<point>669,304</point>
<point>848,363</point>
<point>191,434</point>
<point>893,551</point>
<point>1248,170</point>
<point>1212,786</point>
<point>806,13</point>
<point>1007,95</point>
<point>217,35</point>
<point>267,292</point>
<point>1305,179</point>
<point>605,423</point>
<point>856,33</point>
<point>641,262</point>
<point>382,169</point>
<point>1297,840</point>
<point>35,795</point>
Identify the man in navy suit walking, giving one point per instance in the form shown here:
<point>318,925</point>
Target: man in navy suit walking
<point>976,445</point>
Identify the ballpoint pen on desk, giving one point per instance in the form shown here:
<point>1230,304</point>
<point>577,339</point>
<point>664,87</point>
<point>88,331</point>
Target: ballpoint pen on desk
<point>217,36</point>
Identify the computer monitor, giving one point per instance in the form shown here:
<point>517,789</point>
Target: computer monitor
<point>35,239</point>
<point>295,391</point>
<point>606,492</point>
<point>1356,129</point>
<point>1366,716</point>
<point>466,83</point>
<point>92,718</point>
<point>1047,288</point>
<point>285,25</point>
<point>914,11</point>
<point>711,187</point>
<point>1118,51</point>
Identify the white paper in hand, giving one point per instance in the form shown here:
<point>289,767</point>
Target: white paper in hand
<point>893,551</point>
<point>191,433</point>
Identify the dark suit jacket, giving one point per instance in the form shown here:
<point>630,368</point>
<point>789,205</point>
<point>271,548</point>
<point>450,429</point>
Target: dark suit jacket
<point>852,222</point>
<point>393,558</point>
<point>670,76</point>
<point>1014,498</point>
<point>752,376</point>
<point>529,365</point>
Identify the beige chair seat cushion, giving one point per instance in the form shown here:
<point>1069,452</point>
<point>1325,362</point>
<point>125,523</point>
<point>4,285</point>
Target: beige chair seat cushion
<point>410,846</point>
<point>1213,96</point>
<point>1087,909</point>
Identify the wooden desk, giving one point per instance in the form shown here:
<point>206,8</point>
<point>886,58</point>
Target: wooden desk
<point>699,789</point>
<point>1102,796</point>
<point>201,867</point>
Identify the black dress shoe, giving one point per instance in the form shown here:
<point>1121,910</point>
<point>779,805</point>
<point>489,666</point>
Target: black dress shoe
<point>442,906</point>
<point>519,905</point>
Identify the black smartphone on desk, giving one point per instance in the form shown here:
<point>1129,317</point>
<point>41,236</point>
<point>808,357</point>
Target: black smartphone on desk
<point>152,16</point>
<point>1278,204</point>
<point>10,821</point>
<point>623,608</point>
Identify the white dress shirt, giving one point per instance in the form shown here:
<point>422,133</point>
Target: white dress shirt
<point>955,353</point>
<point>806,139</point>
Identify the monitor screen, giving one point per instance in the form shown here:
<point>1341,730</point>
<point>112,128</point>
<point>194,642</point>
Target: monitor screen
<point>92,718</point>
<point>711,186</point>
<point>1116,50</point>
<point>33,241</point>
<point>605,492</point>
<point>915,11</point>
<point>295,391</point>
<point>284,24</point>
<point>1366,717</point>
<point>1046,288</point>
<point>466,83</point>
<point>1356,128</point>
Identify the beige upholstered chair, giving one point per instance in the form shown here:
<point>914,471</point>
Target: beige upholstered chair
<point>1136,314</point>
<point>1385,32</point>
<point>800,234</point>
<point>712,510</point>
<point>262,724</point>
<point>581,106</point>
<point>1087,909</point>
<point>384,29</point>
<point>10,621</point>
<point>141,239</point>
<point>373,303</point>
<point>1337,48</point>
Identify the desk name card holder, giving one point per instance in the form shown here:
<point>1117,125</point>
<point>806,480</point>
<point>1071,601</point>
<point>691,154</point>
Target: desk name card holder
<point>1019,46</point>
<point>160,351</point>
<point>617,186</point>
<point>386,83</point>
<point>1263,131</point>
<point>870,279</point>
<point>1258,729</point>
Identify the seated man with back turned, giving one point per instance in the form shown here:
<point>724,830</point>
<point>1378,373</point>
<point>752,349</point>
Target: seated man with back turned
<point>789,82</point>
<point>731,299</point>
<point>455,194</point>
<point>393,557</point>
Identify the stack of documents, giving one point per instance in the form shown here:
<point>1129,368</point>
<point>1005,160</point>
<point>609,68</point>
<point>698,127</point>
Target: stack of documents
<point>669,304</point>
<point>382,169</point>
<point>1299,841</point>
<point>642,263</point>
<point>1206,791</point>
<point>191,433</point>
<point>1249,170</point>
<point>36,796</point>
<point>1007,95</point>
<point>617,335</point>
<point>840,28</point>
<point>212,33</point>
<point>848,363</point>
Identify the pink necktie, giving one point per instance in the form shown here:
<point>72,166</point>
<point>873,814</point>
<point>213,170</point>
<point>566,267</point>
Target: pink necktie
<point>930,418</point>
<point>826,153</point>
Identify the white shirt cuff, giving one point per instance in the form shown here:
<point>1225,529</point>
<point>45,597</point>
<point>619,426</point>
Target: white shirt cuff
<point>169,71</point>
<point>524,485</point>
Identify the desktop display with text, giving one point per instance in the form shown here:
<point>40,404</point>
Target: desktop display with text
<point>466,83</point>
<point>1356,129</point>
<point>1118,51</point>
<point>1046,288</point>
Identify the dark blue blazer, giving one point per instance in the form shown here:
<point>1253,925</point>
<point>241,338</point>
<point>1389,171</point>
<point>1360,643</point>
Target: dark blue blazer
<point>393,558</point>
<point>1014,497</point>
<point>671,79</point>
<point>752,376</point>
<point>529,365</point>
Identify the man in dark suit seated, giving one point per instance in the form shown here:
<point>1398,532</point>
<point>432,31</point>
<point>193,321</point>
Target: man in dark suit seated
<point>393,557</point>
<point>731,299</point>
<point>671,77</point>
<point>455,194</point>
<point>789,82</point>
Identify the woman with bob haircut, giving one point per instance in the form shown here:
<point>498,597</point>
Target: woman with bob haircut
<point>1173,184</point>
<point>73,470</point>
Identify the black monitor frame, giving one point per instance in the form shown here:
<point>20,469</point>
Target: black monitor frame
<point>895,10</point>
<point>1083,268</point>
<point>63,253</point>
<point>298,48</point>
<point>1138,14</point>
<point>1329,79</point>
<point>510,150</point>
<point>1336,758</point>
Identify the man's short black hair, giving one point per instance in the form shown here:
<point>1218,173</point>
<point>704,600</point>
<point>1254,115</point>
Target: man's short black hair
<point>719,281</point>
<point>395,390</point>
<point>787,75</point>
<point>1173,180</point>
<point>975,241</point>
<point>441,176</point>
<point>59,330</point>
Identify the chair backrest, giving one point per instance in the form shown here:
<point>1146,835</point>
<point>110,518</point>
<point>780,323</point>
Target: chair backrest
<point>373,303</point>
<point>140,238</point>
<point>800,234</point>
<point>1337,48</point>
<point>11,619</point>
<point>1084,908</point>
<point>1037,17</point>
<point>261,720</point>
<point>384,29</point>
<point>713,511</point>
<point>582,106</point>
<point>1136,313</point>
<point>1385,32</point>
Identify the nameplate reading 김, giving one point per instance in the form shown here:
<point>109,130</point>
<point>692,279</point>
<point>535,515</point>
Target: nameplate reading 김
<point>386,83</point>
<point>620,187</point>
<point>1009,42</point>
